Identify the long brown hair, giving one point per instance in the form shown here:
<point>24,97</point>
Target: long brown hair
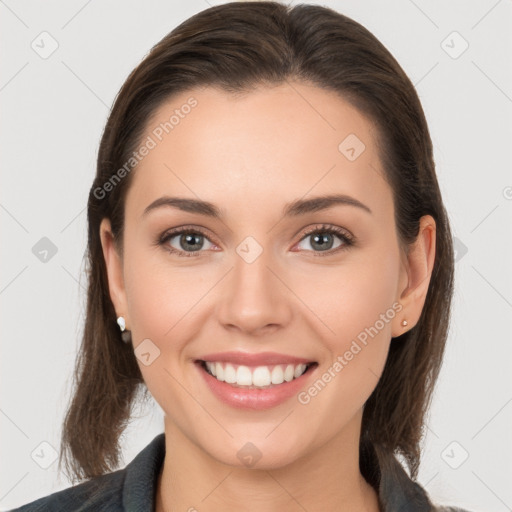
<point>238,46</point>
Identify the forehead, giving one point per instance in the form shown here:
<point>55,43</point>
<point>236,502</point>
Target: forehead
<point>269,145</point>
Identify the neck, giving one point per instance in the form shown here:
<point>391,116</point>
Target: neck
<point>328,479</point>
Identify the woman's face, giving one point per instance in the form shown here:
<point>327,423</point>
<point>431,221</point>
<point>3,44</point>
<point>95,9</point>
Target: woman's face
<point>254,280</point>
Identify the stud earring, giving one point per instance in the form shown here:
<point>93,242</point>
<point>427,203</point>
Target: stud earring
<point>404,323</point>
<point>125,335</point>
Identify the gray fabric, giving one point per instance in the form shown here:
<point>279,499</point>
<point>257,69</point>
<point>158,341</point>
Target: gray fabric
<point>133,489</point>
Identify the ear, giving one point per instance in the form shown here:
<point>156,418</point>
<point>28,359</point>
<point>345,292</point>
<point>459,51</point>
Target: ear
<point>415,274</point>
<point>114,265</point>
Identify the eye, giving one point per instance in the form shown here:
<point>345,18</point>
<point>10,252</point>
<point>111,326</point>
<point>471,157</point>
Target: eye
<point>322,239</point>
<point>190,242</point>
<point>185,242</point>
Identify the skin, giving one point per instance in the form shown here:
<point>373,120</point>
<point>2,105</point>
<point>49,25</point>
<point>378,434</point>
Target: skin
<point>250,155</point>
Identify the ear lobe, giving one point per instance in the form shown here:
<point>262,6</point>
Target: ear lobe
<point>114,266</point>
<point>418,266</point>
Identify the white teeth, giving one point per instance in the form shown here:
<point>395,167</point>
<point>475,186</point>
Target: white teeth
<point>243,376</point>
<point>277,375</point>
<point>229,374</point>
<point>261,376</point>
<point>288,373</point>
<point>219,371</point>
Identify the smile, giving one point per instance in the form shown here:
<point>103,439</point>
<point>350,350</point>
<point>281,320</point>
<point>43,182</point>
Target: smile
<point>259,377</point>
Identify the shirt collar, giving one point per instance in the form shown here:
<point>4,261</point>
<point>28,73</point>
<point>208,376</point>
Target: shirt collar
<point>397,491</point>
<point>141,479</point>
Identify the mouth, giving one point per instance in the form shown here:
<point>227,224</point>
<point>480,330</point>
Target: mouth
<point>255,377</point>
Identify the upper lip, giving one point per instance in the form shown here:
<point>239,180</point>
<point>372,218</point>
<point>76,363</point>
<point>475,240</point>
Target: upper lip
<point>259,359</point>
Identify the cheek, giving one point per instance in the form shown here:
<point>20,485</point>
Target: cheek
<point>160,294</point>
<point>162,303</point>
<point>357,303</point>
<point>352,296</point>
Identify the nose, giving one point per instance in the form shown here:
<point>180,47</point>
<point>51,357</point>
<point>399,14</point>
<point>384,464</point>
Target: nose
<point>254,299</point>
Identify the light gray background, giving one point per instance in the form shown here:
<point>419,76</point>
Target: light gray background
<point>53,112</point>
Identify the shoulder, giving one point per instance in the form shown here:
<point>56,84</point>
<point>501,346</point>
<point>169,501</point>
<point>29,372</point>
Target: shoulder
<point>131,488</point>
<point>103,492</point>
<point>400,493</point>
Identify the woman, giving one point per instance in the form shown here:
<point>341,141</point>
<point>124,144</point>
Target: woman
<point>270,259</point>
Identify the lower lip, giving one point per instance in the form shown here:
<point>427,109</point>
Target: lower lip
<point>256,399</point>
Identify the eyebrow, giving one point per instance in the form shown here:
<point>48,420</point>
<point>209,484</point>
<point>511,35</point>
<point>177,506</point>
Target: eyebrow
<point>294,209</point>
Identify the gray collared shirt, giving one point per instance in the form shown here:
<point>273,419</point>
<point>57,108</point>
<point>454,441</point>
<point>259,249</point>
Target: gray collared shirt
<point>133,489</point>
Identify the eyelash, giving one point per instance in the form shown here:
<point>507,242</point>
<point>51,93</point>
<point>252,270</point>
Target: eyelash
<point>347,239</point>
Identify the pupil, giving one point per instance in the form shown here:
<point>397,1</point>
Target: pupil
<point>188,240</point>
<point>324,242</point>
